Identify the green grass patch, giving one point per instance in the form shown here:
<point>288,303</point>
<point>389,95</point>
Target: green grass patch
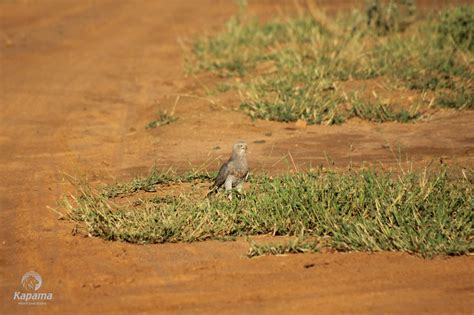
<point>150,182</point>
<point>457,26</point>
<point>426,213</point>
<point>290,65</point>
<point>329,108</point>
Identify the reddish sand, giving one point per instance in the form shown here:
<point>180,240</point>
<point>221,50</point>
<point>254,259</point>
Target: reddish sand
<point>81,79</point>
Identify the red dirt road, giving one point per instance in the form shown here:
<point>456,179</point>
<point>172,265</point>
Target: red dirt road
<point>78,84</point>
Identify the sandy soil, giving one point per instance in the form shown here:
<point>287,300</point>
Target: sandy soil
<point>80,80</point>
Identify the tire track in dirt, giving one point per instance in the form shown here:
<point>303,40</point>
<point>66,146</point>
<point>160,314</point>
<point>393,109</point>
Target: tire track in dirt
<point>25,207</point>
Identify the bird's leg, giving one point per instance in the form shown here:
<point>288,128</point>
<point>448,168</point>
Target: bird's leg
<point>228,185</point>
<point>239,187</point>
<point>228,182</point>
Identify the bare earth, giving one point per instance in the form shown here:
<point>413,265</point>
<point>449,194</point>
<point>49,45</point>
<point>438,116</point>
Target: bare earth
<point>81,79</point>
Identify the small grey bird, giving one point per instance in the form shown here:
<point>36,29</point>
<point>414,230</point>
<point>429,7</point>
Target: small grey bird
<point>234,172</point>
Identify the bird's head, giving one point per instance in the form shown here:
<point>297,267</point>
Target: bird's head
<point>239,149</point>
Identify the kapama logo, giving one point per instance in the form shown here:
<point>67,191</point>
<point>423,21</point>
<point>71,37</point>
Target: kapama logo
<point>31,281</point>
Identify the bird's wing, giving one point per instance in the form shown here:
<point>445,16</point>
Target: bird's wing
<point>224,171</point>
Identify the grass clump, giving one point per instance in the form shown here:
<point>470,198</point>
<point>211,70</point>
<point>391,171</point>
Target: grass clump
<point>386,17</point>
<point>318,105</point>
<point>426,213</point>
<point>163,119</point>
<point>291,66</point>
<point>457,26</point>
<point>380,112</point>
<point>295,246</point>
